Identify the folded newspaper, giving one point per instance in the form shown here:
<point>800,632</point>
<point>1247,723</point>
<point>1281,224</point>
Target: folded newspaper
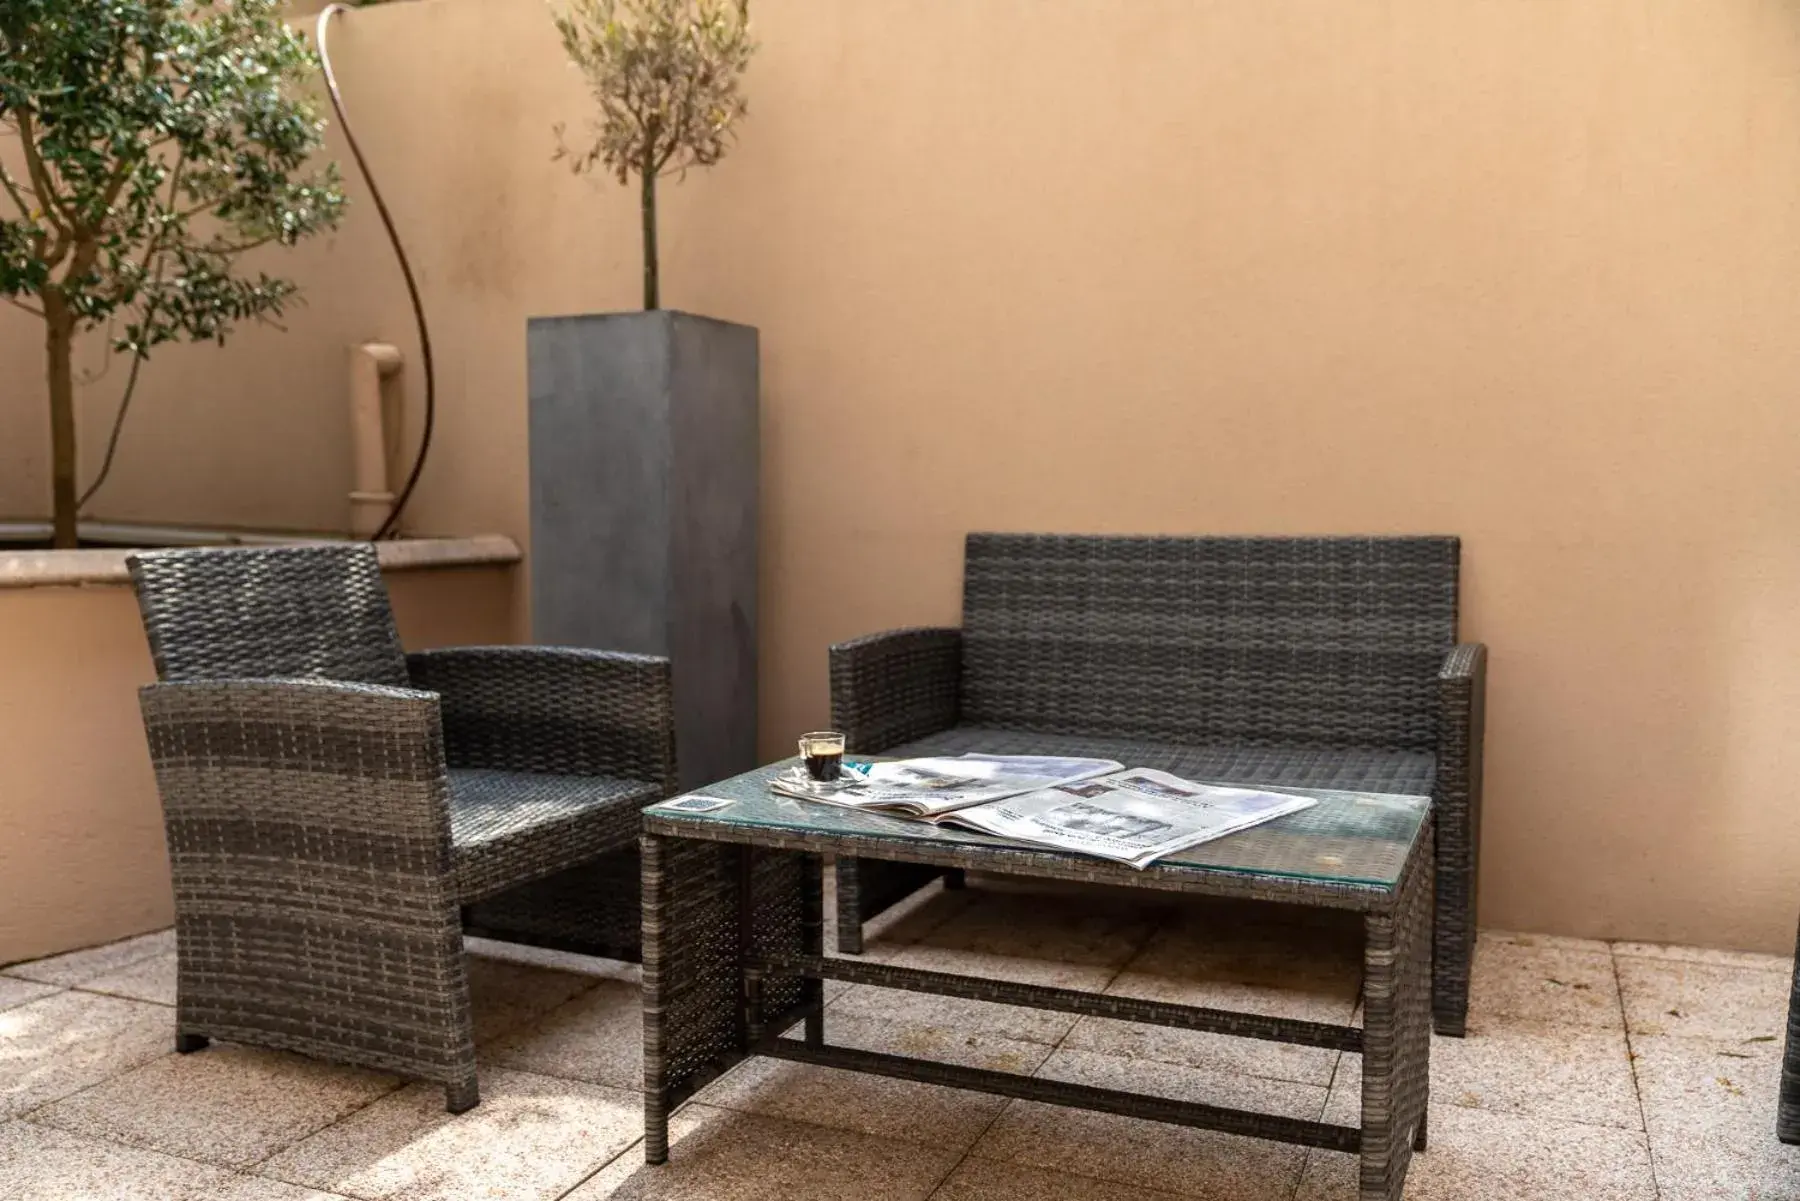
<point>1093,806</point>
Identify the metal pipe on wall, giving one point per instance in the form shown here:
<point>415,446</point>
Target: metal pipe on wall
<point>374,410</point>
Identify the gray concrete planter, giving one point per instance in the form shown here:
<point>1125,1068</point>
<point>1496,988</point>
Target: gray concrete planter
<point>644,450</point>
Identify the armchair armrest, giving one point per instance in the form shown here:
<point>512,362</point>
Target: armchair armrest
<point>321,779</point>
<point>308,825</point>
<point>890,688</point>
<point>558,710</point>
<point>1462,695</point>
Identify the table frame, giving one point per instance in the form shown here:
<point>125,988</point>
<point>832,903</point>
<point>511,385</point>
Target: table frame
<point>733,958</point>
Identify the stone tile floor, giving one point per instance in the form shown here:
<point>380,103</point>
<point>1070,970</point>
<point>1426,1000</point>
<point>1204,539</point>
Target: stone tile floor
<point>1621,1072</point>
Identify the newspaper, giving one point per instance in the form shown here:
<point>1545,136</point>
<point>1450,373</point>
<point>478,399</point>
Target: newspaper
<point>1135,816</point>
<point>931,787</point>
<point>1091,806</point>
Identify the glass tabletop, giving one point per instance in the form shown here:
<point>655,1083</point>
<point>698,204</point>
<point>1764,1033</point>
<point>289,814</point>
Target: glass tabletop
<point>1360,838</point>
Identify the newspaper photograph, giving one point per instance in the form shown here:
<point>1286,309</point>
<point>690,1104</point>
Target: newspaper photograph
<point>1135,816</point>
<point>928,788</point>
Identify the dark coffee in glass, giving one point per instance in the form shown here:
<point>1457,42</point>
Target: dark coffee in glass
<point>823,753</point>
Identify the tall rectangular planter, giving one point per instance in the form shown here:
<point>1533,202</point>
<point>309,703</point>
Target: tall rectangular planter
<point>644,449</point>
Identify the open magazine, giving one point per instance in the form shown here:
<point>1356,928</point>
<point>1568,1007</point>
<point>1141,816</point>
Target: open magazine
<point>1092,806</point>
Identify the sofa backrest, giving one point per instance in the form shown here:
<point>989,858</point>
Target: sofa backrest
<point>269,612</point>
<point>1319,642</point>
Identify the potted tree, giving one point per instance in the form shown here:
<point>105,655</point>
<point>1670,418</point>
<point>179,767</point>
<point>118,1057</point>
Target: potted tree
<point>157,143</point>
<point>644,440</point>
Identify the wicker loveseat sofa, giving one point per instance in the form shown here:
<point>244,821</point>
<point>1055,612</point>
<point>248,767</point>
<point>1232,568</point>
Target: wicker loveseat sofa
<point>1326,662</point>
<point>338,811</point>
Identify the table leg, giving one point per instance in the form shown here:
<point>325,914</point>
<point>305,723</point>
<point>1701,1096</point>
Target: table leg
<point>1378,1058</point>
<point>1396,1036</point>
<point>656,1091</point>
<point>812,942</point>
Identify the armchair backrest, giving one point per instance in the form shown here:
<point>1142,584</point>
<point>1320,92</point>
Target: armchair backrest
<point>286,611</point>
<point>1326,642</point>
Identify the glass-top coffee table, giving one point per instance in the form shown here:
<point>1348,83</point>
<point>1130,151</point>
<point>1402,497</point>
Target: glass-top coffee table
<point>733,953</point>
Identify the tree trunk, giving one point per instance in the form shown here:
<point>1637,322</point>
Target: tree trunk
<point>59,352</point>
<point>651,298</point>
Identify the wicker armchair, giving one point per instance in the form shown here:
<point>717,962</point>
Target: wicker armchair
<point>334,807</point>
<point>1307,662</point>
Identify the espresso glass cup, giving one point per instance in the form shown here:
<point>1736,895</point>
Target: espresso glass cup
<point>823,753</point>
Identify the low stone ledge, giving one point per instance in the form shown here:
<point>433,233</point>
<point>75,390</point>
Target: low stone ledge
<point>106,565</point>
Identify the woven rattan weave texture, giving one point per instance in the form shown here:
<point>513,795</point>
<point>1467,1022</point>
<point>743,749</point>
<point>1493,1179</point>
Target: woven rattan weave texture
<point>733,957</point>
<point>333,804</point>
<point>1787,1114</point>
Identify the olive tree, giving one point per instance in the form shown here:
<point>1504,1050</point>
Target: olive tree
<point>665,74</point>
<point>153,144</point>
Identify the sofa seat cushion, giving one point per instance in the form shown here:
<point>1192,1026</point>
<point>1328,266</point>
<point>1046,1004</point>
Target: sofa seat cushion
<point>512,827</point>
<point>1410,773</point>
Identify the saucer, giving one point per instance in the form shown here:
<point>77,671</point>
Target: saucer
<point>797,777</point>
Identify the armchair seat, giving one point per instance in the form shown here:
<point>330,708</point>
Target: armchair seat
<point>510,827</point>
<point>1353,769</point>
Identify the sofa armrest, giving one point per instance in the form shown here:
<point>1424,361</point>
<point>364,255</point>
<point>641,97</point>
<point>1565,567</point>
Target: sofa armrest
<point>1462,697</point>
<point>891,688</point>
<point>558,710</point>
<point>321,779</point>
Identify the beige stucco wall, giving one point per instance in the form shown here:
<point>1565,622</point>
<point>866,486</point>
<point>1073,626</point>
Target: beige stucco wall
<point>1528,273</point>
<point>81,846</point>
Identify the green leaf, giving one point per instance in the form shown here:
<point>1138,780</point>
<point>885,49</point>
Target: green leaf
<point>162,139</point>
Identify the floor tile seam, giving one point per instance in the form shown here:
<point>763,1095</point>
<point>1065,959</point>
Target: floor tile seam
<point>35,1118</point>
<point>1773,1042</point>
<point>117,996</point>
<point>967,904</point>
<point>1539,1025</point>
<point>1152,929</point>
<point>564,1077</point>
<point>1006,1104</point>
<point>248,1173</point>
<point>1324,1104</point>
<point>1510,1115</point>
<point>12,971</point>
<point>259,1173</point>
<point>495,1036</point>
<point>1198,1067</point>
<point>1149,1190</point>
<point>1637,1088</point>
<point>1529,1116</point>
<point>729,1106</point>
<point>974,1153</point>
<point>1603,951</point>
<point>975,1033</point>
<point>57,990</point>
<point>400,1085</point>
<point>1770,969</point>
<point>1156,928</point>
<point>259,1168</point>
<point>636,1144</point>
<point>1149,936</point>
<point>1163,919</point>
<point>798,1120</point>
<point>31,1113</point>
<point>1355,994</point>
